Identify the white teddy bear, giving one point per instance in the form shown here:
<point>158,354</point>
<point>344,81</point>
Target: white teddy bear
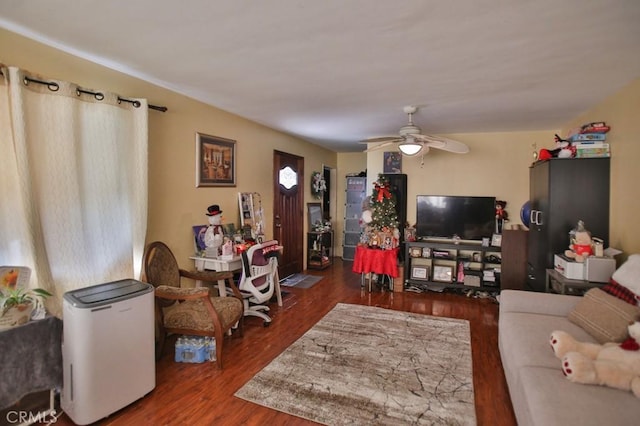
<point>616,365</point>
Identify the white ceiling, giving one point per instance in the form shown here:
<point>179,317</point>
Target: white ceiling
<point>334,72</point>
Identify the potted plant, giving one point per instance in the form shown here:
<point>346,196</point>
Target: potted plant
<point>17,304</point>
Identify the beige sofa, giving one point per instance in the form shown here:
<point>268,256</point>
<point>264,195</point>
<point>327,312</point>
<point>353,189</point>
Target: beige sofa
<point>540,393</point>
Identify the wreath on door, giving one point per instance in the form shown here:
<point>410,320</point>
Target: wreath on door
<point>318,185</point>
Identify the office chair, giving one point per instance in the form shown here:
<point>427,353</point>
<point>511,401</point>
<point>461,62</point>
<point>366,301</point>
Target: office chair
<point>258,280</point>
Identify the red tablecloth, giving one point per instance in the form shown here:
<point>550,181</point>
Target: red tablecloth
<point>376,261</point>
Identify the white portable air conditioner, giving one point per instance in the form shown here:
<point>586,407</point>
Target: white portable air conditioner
<point>108,349</point>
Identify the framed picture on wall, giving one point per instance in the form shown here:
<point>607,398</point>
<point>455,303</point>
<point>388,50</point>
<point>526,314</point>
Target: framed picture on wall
<point>215,161</point>
<point>392,162</point>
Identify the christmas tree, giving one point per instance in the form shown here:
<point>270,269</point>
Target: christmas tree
<point>383,206</point>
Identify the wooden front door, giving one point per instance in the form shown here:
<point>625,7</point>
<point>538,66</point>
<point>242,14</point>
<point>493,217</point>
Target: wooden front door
<point>288,210</point>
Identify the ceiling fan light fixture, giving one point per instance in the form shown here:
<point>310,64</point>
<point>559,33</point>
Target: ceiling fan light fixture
<point>410,147</point>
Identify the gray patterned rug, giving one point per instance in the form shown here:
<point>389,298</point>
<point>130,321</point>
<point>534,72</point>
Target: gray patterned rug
<point>365,365</point>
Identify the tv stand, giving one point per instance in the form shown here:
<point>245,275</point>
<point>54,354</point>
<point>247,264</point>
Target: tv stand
<point>436,240</point>
<point>438,264</point>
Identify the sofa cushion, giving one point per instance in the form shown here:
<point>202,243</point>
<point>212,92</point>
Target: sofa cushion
<point>552,400</point>
<point>524,338</point>
<point>537,303</point>
<point>603,316</point>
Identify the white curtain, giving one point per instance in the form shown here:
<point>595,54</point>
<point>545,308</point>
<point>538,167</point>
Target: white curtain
<point>73,184</point>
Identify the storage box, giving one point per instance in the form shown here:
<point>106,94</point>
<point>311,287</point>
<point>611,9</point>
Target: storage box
<point>569,268</point>
<point>599,269</point>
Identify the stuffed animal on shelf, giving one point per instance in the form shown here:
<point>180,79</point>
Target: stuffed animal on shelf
<point>581,245</point>
<point>616,365</point>
<point>213,236</point>
<point>564,149</point>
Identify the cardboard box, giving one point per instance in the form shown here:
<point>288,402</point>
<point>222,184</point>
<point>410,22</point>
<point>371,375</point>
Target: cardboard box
<point>568,268</point>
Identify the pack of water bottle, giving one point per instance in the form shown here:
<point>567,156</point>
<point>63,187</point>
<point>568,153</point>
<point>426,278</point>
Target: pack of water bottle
<point>195,349</point>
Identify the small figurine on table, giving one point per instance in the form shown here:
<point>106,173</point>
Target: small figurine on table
<point>214,234</point>
<point>501,215</point>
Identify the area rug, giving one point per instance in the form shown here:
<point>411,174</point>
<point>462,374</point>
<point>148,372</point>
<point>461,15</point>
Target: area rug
<point>367,365</point>
<point>300,281</point>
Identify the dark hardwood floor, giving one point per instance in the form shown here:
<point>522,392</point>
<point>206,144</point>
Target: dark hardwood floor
<point>200,394</point>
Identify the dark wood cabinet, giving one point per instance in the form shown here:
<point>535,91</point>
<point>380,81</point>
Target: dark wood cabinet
<point>514,259</point>
<point>562,192</point>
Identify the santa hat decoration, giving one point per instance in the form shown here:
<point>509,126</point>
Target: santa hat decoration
<point>213,210</point>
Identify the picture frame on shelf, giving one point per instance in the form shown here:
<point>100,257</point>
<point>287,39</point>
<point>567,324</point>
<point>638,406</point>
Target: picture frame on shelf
<point>198,234</point>
<point>496,240</point>
<point>443,273</point>
<point>420,273</point>
<point>415,252</point>
<point>314,211</point>
<point>426,252</point>
<point>215,161</point>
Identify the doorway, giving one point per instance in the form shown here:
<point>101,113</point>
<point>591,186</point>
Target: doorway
<point>288,210</point>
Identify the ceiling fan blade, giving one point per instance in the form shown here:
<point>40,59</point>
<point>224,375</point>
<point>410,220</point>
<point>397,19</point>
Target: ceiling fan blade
<point>444,144</point>
<point>382,145</point>
<point>380,139</point>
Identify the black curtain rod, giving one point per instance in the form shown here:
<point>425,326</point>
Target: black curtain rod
<point>54,87</point>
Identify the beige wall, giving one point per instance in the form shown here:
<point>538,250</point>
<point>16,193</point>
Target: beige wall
<point>175,204</point>
<point>621,111</point>
<point>497,164</point>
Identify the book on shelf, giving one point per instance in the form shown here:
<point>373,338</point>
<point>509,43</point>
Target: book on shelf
<point>593,129</point>
<point>593,151</point>
<point>588,137</point>
<point>591,144</point>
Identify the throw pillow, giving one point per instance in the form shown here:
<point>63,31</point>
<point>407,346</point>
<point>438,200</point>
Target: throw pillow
<point>603,316</point>
<point>621,292</point>
<point>628,274</point>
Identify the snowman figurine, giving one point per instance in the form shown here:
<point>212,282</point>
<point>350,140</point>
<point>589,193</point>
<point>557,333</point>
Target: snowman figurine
<point>214,235</point>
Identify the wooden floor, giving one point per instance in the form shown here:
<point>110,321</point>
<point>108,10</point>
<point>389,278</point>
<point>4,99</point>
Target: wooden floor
<point>199,394</point>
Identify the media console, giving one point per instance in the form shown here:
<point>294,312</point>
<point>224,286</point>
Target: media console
<point>440,264</point>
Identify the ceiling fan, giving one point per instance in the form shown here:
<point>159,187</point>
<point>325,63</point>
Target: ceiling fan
<point>412,141</point>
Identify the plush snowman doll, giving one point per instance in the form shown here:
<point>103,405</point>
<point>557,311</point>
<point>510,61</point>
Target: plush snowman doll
<point>213,237</point>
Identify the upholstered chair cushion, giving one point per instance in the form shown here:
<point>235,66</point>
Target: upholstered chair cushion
<point>193,314</point>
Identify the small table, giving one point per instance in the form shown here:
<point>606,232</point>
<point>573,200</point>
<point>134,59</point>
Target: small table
<point>31,361</point>
<point>558,283</point>
<point>381,262</point>
<point>233,264</point>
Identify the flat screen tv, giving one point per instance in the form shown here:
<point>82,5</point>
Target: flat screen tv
<point>443,216</point>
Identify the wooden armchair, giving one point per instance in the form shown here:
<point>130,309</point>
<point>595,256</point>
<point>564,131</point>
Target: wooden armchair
<point>190,311</point>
